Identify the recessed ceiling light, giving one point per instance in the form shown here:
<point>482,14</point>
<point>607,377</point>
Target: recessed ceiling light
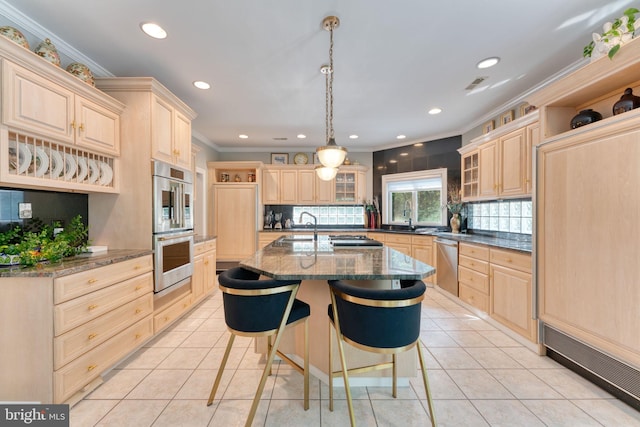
<point>393,161</point>
<point>488,62</point>
<point>401,137</point>
<point>418,144</point>
<point>243,136</point>
<point>435,110</point>
<point>153,30</point>
<point>404,154</point>
<point>201,85</point>
<point>302,136</point>
<point>353,136</point>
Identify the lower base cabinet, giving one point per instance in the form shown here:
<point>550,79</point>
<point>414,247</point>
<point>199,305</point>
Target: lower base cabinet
<point>498,282</point>
<point>60,334</point>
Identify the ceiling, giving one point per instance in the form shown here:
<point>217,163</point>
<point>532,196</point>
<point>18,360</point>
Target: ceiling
<point>393,61</point>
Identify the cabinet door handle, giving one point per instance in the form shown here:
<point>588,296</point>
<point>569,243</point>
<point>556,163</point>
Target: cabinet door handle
<point>138,310</point>
<point>138,336</point>
<point>81,127</point>
<point>92,336</point>
<point>92,307</point>
<point>91,367</point>
<point>73,124</point>
<point>91,281</point>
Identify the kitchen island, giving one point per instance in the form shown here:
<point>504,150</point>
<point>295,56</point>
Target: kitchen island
<point>299,257</point>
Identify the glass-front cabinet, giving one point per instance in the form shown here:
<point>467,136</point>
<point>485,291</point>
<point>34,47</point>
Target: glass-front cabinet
<point>346,190</point>
<point>470,175</point>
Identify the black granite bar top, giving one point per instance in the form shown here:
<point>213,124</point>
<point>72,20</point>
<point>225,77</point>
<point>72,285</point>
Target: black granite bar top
<point>305,259</point>
<point>74,264</point>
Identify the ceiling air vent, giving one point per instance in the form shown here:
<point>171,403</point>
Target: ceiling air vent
<point>475,83</point>
<point>280,138</point>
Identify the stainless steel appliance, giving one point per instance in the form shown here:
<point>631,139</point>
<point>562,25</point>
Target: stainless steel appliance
<point>447,262</point>
<point>172,226</point>
<point>173,260</point>
<point>172,198</point>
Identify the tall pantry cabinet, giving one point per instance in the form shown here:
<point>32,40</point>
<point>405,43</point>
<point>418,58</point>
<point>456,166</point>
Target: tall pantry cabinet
<point>155,125</point>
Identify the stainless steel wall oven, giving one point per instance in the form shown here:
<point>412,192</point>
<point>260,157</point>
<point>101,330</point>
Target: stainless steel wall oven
<point>172,226</point>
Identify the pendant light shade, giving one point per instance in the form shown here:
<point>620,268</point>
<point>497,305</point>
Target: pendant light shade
<point>331,155</point>
<point>325,173</point>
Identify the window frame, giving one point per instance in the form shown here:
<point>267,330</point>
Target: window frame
<point>387,213</point>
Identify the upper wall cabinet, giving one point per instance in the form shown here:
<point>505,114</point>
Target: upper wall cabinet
<point>293,184</point>
<point>498,164</point>
<point>57,132</point>
<point>169,127</point>
<point>170,133</point>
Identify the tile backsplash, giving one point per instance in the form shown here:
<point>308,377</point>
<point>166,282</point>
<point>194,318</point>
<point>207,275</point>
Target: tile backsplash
<point>512,216</point>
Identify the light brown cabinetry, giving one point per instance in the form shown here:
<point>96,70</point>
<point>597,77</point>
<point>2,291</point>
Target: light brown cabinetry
<point>204,270</point>
<point>399,242</point>
<point>498,164</point>
<point>235,220</point>
<point>473,275</point>
<point>62,333</point>
<point>511,292</point>
<point>279,186</point>
<point>170,134</point>
<point>422,250</point>
<point>470,176</point>
<point>293,184</point>
<point>111,217</point>
<point>266,237</point>
<point>34,103</point>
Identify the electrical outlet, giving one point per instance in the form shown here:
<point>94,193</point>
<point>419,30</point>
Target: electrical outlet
<point>24,210</point>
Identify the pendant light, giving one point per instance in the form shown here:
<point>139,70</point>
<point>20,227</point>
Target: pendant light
<point>331,155</point>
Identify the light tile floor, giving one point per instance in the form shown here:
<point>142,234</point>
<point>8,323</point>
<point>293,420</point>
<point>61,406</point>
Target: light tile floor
<point>479,377</point>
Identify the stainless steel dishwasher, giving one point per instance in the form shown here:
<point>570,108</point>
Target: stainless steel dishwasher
<point>447,265</point>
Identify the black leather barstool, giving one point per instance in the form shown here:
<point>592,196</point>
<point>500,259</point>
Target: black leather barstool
<point>378,321</point>
<point>258,308</point>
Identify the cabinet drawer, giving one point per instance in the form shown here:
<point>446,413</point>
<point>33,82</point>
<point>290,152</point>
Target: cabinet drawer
<point>422,240</point>
<point>77,374</point>
<point>73,313</point>
<point>477,281</point>
<point>75,285</point>
<point>511,259</point>
<point>203,247</point>
<point>474,251</point>
<point>473,297</point>
<point>174,311</point>
<point>474,264</point>
<point>397,238</point>
<point>74,343</point>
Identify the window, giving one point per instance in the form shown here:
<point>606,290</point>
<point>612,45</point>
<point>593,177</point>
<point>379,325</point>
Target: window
<point>419,195</point>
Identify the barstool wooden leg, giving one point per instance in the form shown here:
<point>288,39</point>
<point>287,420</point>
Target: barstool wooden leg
<point>432,412</point>
<point>221,369</point>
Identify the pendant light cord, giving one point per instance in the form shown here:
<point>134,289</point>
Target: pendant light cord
<point>330,85</point>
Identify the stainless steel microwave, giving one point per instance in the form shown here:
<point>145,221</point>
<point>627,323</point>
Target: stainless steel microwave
<point>172,198</point>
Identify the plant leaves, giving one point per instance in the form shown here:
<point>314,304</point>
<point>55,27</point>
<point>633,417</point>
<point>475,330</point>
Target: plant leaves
<point>613,51</point>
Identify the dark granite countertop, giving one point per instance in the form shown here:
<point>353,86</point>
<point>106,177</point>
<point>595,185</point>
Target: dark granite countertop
<point>514,242</point>
<point>74,264</point>
<point>199,239</point>
<point>309,260</point>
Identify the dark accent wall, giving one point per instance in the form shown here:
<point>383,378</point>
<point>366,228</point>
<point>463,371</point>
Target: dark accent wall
<point>440,153</point>
<point>47,207</point>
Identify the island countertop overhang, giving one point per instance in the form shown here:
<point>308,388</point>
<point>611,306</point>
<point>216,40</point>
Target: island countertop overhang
<point>321,261</point>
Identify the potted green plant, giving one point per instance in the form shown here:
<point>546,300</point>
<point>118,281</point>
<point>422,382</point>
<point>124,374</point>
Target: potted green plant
<point>613,36</point>
<point>9,249</point>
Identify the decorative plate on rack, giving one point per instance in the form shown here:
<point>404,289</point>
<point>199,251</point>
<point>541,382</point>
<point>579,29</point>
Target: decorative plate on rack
<point>94,171</point>
<point>57,164</point>
<point>70,167</point>
<point>82,169</point>
<point>19,157</point>
<point>106,174</point>
<point>40,161</point>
